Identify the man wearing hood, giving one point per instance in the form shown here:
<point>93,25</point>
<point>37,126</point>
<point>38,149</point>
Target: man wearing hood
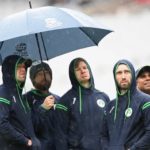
<point>127,120</point>
<point>16,130</point>
<point>80,111</point>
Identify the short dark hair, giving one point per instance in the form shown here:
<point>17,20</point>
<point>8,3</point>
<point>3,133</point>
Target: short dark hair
<point>77,61</point>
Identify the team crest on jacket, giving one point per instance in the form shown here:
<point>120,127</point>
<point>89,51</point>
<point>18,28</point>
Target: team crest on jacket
<point>101,103</point>
<point>128,112</point>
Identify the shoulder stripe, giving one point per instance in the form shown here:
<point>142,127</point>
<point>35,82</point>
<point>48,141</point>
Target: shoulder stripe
<point>3,100</point>
<point>146,105</point>
<point>60,106</point>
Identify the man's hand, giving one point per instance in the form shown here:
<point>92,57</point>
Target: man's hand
<point>48,102</point>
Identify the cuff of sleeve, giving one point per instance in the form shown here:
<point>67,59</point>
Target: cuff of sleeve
<point>42,111</point>
<point>26,141</point>
<point>42,106</point>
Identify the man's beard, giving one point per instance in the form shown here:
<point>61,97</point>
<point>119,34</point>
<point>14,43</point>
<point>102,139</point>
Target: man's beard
<point>124,88</point>
<point>43,87</point>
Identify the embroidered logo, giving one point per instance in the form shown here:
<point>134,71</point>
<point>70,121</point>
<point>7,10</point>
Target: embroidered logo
<point>21,50</point>
<point>101,103</point>
<point>52,23</point>
<point>128,112</point>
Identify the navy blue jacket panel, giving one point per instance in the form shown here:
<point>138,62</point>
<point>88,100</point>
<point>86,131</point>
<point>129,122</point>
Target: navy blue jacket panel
<point>127,120</point>
<point>15,116</point>
<point>80,113</point>
<point>81,129</point>
<point>43,121</point>
<point>126,132</point>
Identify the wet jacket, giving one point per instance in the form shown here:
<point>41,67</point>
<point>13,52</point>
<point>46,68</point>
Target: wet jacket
<point>80,115</point>
<point>127,121</point>
<point>15,119</point>
<point>43,120</point>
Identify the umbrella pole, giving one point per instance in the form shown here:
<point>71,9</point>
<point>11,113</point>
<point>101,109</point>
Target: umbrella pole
<point>1,44</point>
<point>30,4</point>
<point>39,48</point>
<point>0,50</point>
<point>44,45</point>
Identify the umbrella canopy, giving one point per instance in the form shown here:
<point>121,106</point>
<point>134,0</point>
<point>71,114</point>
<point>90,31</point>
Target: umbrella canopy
<point>47,32</point>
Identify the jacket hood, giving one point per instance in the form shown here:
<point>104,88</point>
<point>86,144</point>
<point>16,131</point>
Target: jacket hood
<point>130,90</point>
<point>9,68</point>
<point>133,80</point>
<point>73,79</point>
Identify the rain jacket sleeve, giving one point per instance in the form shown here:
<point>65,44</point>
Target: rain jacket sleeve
<point>61,125</point>
<point>6,129</point>
<point>38,114</point>
<point>142,143</point>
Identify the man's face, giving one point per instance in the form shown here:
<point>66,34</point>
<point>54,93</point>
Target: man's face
<point>82,73</point>
<point>21,72</point>
<point>42,80</point>
<point>143,82</point>
<point>123,77</point>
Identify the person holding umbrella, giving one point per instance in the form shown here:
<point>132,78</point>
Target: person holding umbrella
<point>143,79</point>
<point>16,129</point>
<point>80,111</point>
<point>127,119</point>
<point>41,77</point>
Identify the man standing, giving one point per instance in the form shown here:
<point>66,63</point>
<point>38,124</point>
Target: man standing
<point>127,120</point>
<point>80,111</point>
<point>143,79</point>
<point>41,77</point>
<point>16,130</point>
